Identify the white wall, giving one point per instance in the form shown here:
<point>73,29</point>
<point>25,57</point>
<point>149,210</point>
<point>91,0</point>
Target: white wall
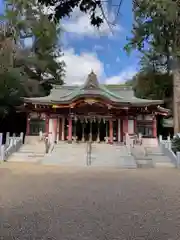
<point>130,126</point>
<point>51,130</point>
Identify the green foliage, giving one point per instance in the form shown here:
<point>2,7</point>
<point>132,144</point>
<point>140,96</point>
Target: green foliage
<point>27,72</point>
<point>152,85</point>
<point>156,35</point>
<point>11,78</point>
<point>64,8</point>
<point>40,60</point>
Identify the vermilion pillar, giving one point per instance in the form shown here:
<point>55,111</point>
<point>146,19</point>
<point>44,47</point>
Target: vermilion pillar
<point>55,129</point>
<point>28,125</point>
<point>60,129</point>
<point>125,125</point>
<point>47,125</point>
<point>110,131</point>
<point>119,130</point>
<point>135,125</point>
<point>154,129</point>
<point>69,130</point>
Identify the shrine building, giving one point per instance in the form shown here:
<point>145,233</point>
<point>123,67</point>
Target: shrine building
<point>92,112</point>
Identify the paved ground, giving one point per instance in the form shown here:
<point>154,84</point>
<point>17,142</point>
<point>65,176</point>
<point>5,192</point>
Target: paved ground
<point>43,202</point>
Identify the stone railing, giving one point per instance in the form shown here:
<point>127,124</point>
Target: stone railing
<point>12,145</point>
<point>166,147</point>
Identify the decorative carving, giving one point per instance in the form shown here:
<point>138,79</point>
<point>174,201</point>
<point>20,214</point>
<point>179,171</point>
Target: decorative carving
<point>90,101</point>
<point>91,82</point>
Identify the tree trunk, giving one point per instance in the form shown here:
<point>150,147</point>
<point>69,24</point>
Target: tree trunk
<point>176,96</point>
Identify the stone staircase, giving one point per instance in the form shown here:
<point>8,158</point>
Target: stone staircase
<point>146,157</point>
<point>102,155</point>
<point>65,154</point>
<point>158,157</point>
<point>105,155</point>
<point>29,152</point>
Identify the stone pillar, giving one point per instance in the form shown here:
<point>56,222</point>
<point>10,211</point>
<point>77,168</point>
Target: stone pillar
<point>119,130</point>
<point>7,138</point>
<point>154,128</point>
<point>110,131</point>
<point>1,139</point>
<point>63,125</point>
<point>70,130</point>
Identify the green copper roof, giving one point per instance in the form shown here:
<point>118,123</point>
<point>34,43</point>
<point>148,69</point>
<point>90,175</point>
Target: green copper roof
<point>118,94</point>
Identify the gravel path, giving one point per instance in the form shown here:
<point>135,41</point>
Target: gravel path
<point>41,202</point>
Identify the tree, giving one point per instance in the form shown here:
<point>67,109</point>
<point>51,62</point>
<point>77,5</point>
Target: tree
<point>11,78</point>
<point>22,70</point>
<point>39,60</point>
<point>151,85</point>
<point>94,8</point>
<point>157,23</point>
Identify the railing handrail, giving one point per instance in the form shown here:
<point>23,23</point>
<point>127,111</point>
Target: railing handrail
<point>88,153</point>
<point>12,145</point>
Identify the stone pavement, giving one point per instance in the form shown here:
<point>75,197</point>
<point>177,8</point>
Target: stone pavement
<point>40,202</point>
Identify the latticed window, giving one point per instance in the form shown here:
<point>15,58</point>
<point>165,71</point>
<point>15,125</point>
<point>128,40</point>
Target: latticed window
<point>37,125</point>
<point>145,128</point>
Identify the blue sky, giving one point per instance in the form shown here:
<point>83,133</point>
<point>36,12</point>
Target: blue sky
<point>110,62</point>
<point>87,49</point>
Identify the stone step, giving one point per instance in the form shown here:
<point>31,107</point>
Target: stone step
<point>161,159</point>
<point>145,163</point>
<point>127,162</point>
<point>165,165</point>
<point>16,158</point>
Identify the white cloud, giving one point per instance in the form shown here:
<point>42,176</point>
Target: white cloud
<point>79,24</point>
<point>79,66</point>
<point>122,77</point>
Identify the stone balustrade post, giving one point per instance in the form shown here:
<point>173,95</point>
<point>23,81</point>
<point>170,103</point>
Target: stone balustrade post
<point>2,153</point>
<point>7,138</point>
<point>21,136</point>
<point>160,138</point>
<point>178,159</point>
<point>11,141</point>
<point>1,139</point>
